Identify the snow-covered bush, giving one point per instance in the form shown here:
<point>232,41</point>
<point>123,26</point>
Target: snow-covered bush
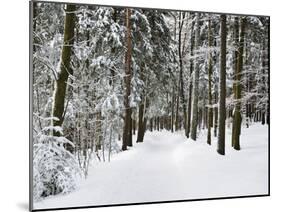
<point>55,170</point>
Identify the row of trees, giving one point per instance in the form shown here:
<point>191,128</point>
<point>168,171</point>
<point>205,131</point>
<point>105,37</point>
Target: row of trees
<point>102,74</point>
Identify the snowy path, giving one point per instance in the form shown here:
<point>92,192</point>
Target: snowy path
<point>169,167</point>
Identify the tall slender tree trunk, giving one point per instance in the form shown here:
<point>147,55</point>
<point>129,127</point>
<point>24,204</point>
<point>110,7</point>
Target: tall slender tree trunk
<point>172,108</point>
<point>177,88</point>
<point>236,40</point>
<point>151,124</point>
<point>65,69</point>
<point>210,71</point>
<point>127,83</point>
<point>140,123</point>
<point>134,124</point>
<point>194,122</point>
<point>130,136</point>
<point>216,112</point>
<point>222,90</point>
<point>142,119</point>
<point>190,84</point>
<point>237,119</point>
<point>181,83</point>
<point>177,121</point>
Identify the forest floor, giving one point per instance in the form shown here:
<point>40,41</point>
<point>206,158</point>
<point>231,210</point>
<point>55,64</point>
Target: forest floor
<point>167,166</point>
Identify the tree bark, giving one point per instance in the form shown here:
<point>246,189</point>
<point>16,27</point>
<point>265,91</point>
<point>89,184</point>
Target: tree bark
<point>237,118</point>
<point>222,91</point>
<point>181,22</point>
<point>65,69</point>
<point>141,123</point>
<point>190,84</point>
<point>172,108</point>
<point>194,122</point>
<point>210,71</point>
<point>130,136</point>
<point>216,112</point>
<point>236,41</point>
<point>127,83</point>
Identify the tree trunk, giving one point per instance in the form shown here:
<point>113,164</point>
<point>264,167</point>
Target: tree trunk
<point>134,125</point>
<point>151,124</point>
<point>237,118</point>
<point>194,122</point>
<point>210,71</point>
<point>190,85</point>
<point>181,83</point>
<point>127,83</point>
<point>222,90</point>
<point>236,40</point>
<point>130,136</point>
<point>172,108</point>
<point>216,112</point>
<point>142,123</point>
<point>65,69</point>
<point>158,123</point>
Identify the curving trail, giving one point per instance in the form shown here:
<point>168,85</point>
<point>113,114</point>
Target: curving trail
<point>170,167</point>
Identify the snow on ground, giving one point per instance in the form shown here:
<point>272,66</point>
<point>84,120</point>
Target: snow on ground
<point>167,166</point>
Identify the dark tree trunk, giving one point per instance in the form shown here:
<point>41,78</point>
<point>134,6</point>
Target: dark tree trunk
<point>177,127</point>
<point>141,124</point>
<point>172,108</point>
<point>127,83</point>
<point>151,124</point>
<point>216,114</point>
<point>210,71</point>
<point>237,118</point>
<point>158,123</point>
<point>236,44</point>
<point>190,86</point>
<point>130,137</point>
<point>98,131</point>
<point>181,83</point>
<point>222,90</point>
<point>161,123</point>
<point>194,122</point>
<point>65,69</point>
<point>134,126</point>
<point>263,118</point>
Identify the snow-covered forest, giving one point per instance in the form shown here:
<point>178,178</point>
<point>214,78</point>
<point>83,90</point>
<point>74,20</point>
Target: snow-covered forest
<point>139,105</point>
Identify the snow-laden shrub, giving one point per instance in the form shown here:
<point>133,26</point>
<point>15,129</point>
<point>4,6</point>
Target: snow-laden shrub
<point>55,169</point>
